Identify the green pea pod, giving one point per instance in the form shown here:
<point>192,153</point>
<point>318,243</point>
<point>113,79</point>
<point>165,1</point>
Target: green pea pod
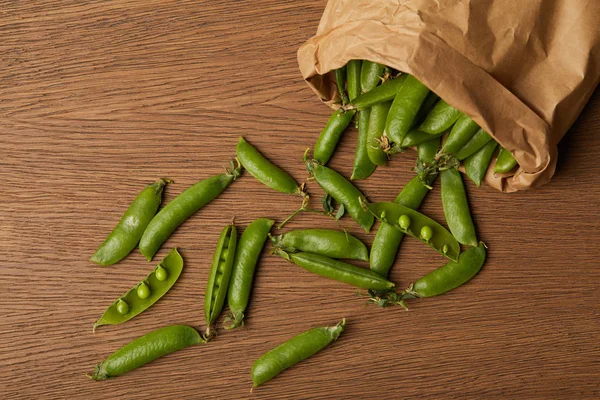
<point>340,81</point>
<point>456,207</point>
<point>439,119</point>
<point>376,143</point>
<point>427,151</point>
<point>462,131</point>
<point>145,349</point>
<point>451,275</point>
<point>147,292</point>
<point>247,254</point>
<point>385,92</point>
<point>343,191</point>
<point>416,137</point>
<point>220,274</point>
<point>363,166</point>
<point>353,75</point>
<point>480,139</point>
<point>477,165</point>
<point>331,134</point>
<point>181,208</point>
<point>264,170</point>
<point>370,75</point>
<point>404,109</point>
<point>129,230</point>
<point>428,104</point>
<point>387,240</point>
<point>505,162</point>
<point>338,270</point>
<point>417,225</point>
<point>326,242</point>
<point>293,351</point>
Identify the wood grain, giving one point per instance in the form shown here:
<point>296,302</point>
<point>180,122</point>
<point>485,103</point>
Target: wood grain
<point>98,99</point>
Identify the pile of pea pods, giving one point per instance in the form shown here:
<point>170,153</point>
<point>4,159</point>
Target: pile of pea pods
<point>394,111</point>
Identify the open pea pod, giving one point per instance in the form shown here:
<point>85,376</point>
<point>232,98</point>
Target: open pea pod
<point>417,225</point>
<point>144,294</point>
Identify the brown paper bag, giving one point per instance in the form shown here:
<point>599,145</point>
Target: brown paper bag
<point>522,69</point>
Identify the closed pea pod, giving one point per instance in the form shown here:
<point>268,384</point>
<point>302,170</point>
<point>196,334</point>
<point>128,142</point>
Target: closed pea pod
<point>371,74</point>
<point>331,134</point>
<point>126,235</point>
<point>293,351</point>
<point>462,131</point>
<point>247,254</point>
<point>404,109</point>
<point>420,227</point>
<point>415,137</point>
<point>456,207</point>
<point>144,294</point>
<point>343,191</point>
<point>338,270</point>
<point>477,165</point>
<point>382,93</point>
<point>480,139</point>
<point>430,102</point>
<point>353,76</point>
<point>363,167</point>
<point>182,207</point>
<point>440,118</point>
<point>326,242</point>
<point>340,81</point>
<point>145,349</point>
<point>505,162</point>
<point>220,273</point>
<point>376,142</point>
<point>451,275</point>
<point>264,170</point>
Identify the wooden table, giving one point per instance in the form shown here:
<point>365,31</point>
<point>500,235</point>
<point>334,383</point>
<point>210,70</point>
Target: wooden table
<point>99,99</point>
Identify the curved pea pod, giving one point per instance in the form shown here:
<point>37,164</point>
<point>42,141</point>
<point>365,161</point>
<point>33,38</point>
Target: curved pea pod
<point>417,225</point>
<point>353,76</point>
<point>129,230</point>
<point>451,275</point>
<point>371,74</point>
<point>220,273</point>
<point>456,207</point>
<point>326,242</point>
<point>462,131</point>
<point>247,254</point>
<point>480,139</point>
<point>388,239</point>
<point>343,191</point>
<point>440,118</point>
<point>331,134</point>
<point>376,142</point>
<point>182,207</point>
<point>147,292</point>
<point>505,162</point>
<point>265,171</point>
<point>380,94</point>
<point>145,349</point>
<point>404,109</point>
<point>363,166</point>
<point>338,270</point>
<point>415,137</point>
<point>477,165</point>
<point>293,351</point>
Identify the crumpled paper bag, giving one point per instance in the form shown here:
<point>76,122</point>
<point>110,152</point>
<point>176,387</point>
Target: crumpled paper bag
<point>522,69</point>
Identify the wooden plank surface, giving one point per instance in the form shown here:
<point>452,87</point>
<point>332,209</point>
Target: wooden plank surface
<point>99,99</point>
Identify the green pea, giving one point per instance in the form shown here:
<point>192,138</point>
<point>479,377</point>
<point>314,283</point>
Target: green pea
<point>172,264</point>
<point>143,291</point>
<point>293,351</point>
<point>219,279</point>
<point>182,207</point>
<point>224,254</point>
<point>383,214</point>
<point>426,233</point>
<point>128,232</point>
<point>122,307</point>
<point>404,221</point>
<point>145,349</point>
<point>161,273</point>
<point>445,249</point>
